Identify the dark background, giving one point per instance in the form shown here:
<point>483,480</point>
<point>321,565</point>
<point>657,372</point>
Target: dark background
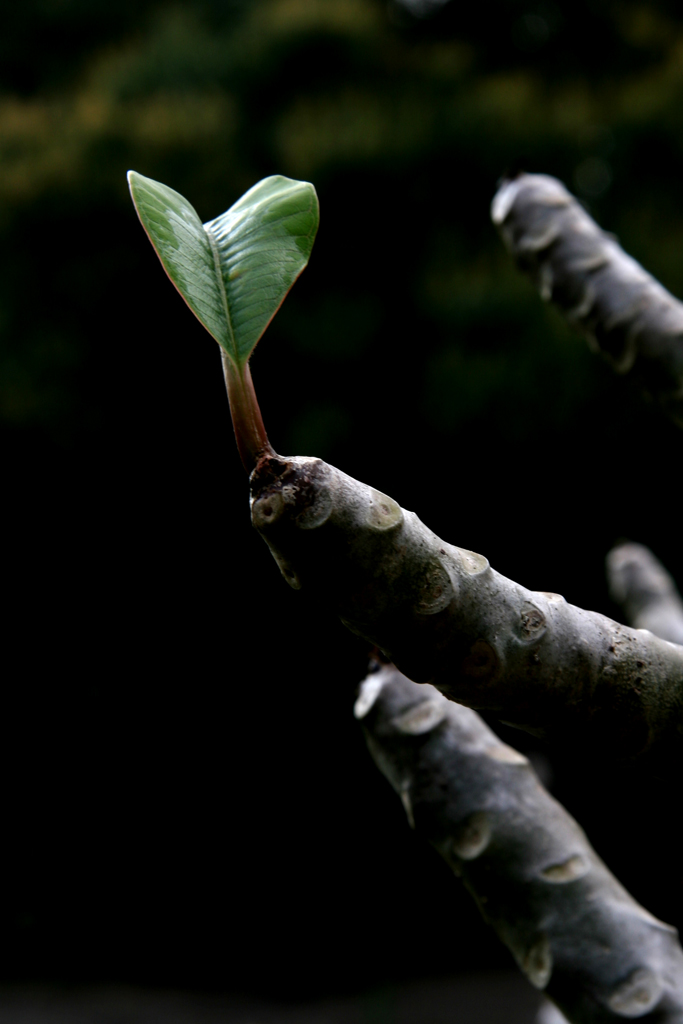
<point>187,799</point>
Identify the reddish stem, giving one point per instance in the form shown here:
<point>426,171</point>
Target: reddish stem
<point>250,433</point>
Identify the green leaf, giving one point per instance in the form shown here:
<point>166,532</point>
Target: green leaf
<point>234,271</point>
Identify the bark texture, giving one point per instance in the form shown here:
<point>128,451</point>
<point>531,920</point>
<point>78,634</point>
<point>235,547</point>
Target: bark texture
<point>641,585</point>
<point>626,314</point>
<point>572,928</point>
<point>444,616</point>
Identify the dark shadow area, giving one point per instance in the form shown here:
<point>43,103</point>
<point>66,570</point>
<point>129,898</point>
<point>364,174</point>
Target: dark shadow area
<point>495,998</point>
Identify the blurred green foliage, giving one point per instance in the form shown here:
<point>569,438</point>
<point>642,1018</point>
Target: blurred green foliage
<point>416,118</point>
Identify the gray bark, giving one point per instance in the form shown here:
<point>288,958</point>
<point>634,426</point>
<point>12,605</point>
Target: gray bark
<point>626,314</point>
<point>444,616</point>
<point>641,585</point>
<point>572,928</point>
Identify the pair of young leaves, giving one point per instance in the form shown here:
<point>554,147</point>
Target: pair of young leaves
<point>235,271</point>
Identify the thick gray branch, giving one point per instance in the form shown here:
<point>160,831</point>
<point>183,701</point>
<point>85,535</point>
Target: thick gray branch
<point>625,313</point>
<point>641,585</point>
<point>572,928</point>
<point>444,616</point>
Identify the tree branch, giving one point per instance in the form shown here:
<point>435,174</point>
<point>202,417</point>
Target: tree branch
<point>444,616</point>
<point>572,928</point>
<point>641,585</point>
<point>626,314</point>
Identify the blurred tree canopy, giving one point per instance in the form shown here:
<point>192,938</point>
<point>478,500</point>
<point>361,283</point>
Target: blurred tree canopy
<point>411,354</point>
<point>404,125</point>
